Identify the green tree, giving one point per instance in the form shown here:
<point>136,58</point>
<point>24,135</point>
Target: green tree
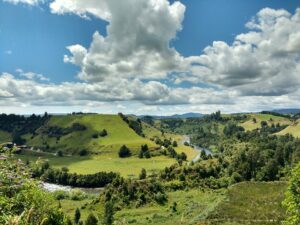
<point>292,199</point>
<point>143,174</point>
<point>147,155</point>
<point>124,152</point>
<point>91,220</point>
<point>108,213</point>
<point>103,133</point>
<point>175,144</point>
<point>77,216</point>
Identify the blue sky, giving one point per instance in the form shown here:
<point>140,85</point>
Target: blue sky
<point>34,38</point>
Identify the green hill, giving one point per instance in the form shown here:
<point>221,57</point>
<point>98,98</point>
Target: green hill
<point>270,119</point>
<point>293,129</point>
<point>52,138</point>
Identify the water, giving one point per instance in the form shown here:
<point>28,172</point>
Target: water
<point>57,187</point>
<point>187,139</point>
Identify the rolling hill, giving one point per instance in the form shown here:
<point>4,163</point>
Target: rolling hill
<point>119,133</point>
<point>270,119</point>
<point>293,129</point>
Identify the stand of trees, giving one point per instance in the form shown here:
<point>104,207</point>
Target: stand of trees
<point>63,177</point>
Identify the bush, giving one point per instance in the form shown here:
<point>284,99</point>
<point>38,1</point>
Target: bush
<point>186,143</point>
<point>161,198</point>
<point>60,195</point>
<point>95,136</point>
<point>60,153</point>
<point>77,195</point>
<point>124,152</point>
<point>91,220</point>
<point>143,174</point>
<point>103,133</point>
<point>83,152</point>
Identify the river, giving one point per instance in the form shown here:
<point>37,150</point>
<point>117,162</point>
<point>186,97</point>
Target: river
<point>57,187</point>
<point>187,139</point>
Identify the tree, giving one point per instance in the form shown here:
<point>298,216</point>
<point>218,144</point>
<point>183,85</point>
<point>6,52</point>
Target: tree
<point>103,133</point>
<point>108,213</point>
<point>77,216</point>
<point>263,123</point>
<point>91,220</point>
<point>18,139</point>
<point>147,155</point>
<point>124,152</point>
<point>175,144</point>
<point>174,207</point>
<point>60,153</point>
<point>254,120</point>
<point>292,199</point>
<point>143,174</point>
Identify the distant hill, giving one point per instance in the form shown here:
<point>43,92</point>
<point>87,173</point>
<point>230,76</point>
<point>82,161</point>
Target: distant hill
<point>286,111</point>
<point>177,116</point>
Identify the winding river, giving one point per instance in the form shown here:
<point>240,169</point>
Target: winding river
<point>187,139</point>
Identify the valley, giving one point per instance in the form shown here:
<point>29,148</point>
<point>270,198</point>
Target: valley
<point>205,170</point>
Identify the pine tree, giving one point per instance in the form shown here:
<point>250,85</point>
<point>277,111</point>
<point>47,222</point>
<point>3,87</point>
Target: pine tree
<point>77,216</point>
<point>109,213</point>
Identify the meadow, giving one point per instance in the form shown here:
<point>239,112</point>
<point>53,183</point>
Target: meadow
<point>251,203</point>
<point>246,203</point>
<point>127,167</point>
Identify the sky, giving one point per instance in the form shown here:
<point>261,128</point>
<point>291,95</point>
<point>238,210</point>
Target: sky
<point>155,57</point>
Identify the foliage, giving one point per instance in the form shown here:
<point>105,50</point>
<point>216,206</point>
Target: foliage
<point>77,216</point>
<point>292,200</point>
<point>108,213</point>
<point>124,152</point>
<point>22,201</point>
<point>143,174</point>
<point>91,220</point>
<point>134,192</point>
<point>61,176</point>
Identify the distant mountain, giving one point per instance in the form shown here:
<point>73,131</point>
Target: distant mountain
<point>286,111</point>
<point>177,116</point>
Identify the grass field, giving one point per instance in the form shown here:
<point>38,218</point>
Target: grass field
<point>251,203</point>
<point>119,133</point>
<point>127,167</point>
<point>293,129</point>
<point>247,203</point>
<point>250,125</point>
<point>192,206</point>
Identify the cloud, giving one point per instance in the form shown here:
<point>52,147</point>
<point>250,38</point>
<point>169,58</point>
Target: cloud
<point>138,38</point>
<point>32,75</point>
<point>33,92</point>
<point>135,65</point>
<point>28,2</point>
<point>263,61</point>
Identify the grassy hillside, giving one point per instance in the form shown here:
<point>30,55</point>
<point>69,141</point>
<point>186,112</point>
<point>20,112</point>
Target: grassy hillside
<point>247,203</point>
<point>270,119</point>
<point>251,203</point>
<point>118,134</point>
<point>293,129</point>
<point>192,207</point>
